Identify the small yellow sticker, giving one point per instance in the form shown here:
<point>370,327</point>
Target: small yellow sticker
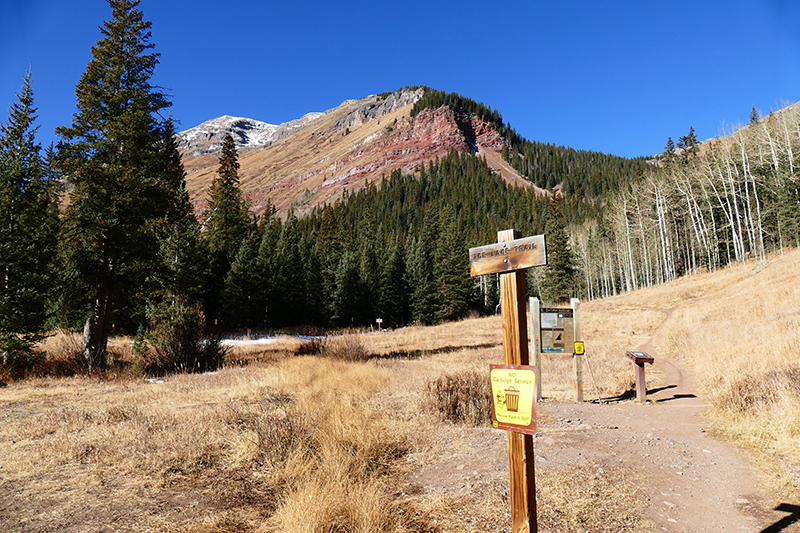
<point>579,348</point>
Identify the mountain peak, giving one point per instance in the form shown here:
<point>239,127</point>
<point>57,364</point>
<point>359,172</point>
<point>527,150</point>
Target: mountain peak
<point>247,133</point>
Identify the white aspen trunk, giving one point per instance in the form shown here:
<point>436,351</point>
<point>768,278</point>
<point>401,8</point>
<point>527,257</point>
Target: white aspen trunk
<point>733,208</point>
<point>724,204</point>
<point>744,183</point>
<point>662,232</point>
<point>628,241</point>
<point>645,252</point>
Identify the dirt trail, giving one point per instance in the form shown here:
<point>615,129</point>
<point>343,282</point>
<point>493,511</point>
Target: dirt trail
<point>694,482</point>
<point>691,482</point>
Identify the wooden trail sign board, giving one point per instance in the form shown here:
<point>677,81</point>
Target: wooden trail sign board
<point>508,256</point>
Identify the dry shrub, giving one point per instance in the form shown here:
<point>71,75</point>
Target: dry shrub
<point>462,398</point>
<point>753,394</point>
<point>280,432</point>
<point>348,347</point>
<point>310,346</point>
<point>64,356</point>
<point>180,341</point>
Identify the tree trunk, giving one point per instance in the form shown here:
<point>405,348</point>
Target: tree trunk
<point>95,334</point>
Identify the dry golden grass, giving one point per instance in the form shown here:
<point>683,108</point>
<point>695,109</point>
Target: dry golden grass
<point>276,442</point>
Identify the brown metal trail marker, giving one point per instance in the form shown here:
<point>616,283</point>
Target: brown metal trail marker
<point>510,257</point>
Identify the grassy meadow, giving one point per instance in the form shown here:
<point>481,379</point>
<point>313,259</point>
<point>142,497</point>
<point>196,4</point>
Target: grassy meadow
<point>292,437</point>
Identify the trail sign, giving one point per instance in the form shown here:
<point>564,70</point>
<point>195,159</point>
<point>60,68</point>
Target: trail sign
<point>558,329</point>
<point>508,256</point>
<point>513,398</point>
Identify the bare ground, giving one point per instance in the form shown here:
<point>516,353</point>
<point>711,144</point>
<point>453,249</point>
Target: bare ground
<point>678,476</point>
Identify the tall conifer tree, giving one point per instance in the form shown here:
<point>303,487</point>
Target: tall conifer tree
<point>112,155</point>
<point>28,230</point>
<point>226,221</point>
<point>560,276</point>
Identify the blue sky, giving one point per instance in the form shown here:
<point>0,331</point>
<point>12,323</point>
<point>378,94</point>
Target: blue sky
<point>617,77</point>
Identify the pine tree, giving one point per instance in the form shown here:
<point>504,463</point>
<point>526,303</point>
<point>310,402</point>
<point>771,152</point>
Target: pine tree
<point>290,284</point>
<point>424,300</point>
<point>28,230</point>
<point>560,279</point>
<point>267,272</point>
<point>227,222</point>
<point>754,116</point>
<point>226,218</point>
<point>669,153</point>
<point>348,297</point>
<point>453,282</point>
<point>688,145</point>
<point>185,262</point>
<point>393,302</point>
<point>240,300</point>
<point>112,155</point>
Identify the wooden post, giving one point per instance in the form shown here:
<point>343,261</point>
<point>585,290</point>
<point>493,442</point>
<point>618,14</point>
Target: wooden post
<point>536,341</point>
<point>641,384</point>
<point>515,352</point>
<point>577,360</point>
<point>639,359</point>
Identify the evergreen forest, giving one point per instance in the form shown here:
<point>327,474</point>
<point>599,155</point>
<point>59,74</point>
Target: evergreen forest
<point>127,254</point>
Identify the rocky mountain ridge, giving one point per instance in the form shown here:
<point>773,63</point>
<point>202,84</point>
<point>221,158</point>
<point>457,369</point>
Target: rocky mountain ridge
<point>247,133</point>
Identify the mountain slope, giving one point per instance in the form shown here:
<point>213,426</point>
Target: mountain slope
<point>310,161</point>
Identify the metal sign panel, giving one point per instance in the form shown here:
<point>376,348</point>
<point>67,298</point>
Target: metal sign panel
<point>508,256</point>
<point>557,330</point>
<point>513,398</point>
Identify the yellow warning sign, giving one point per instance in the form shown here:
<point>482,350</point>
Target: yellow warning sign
<point>579,348</point>
<point>513,398</point>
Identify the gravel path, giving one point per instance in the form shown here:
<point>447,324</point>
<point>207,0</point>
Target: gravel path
<point>692,482</point>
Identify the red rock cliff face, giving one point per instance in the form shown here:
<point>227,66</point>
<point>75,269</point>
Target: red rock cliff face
<point>432,134</point>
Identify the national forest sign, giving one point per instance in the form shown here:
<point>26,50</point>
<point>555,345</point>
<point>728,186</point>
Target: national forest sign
<point>508,256</point>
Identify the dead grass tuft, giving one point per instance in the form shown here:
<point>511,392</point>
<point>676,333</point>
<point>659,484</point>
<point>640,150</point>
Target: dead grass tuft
<point>461,398</point>
<point>772,390</point>
<point>347,347</point>
<point>279,431</point>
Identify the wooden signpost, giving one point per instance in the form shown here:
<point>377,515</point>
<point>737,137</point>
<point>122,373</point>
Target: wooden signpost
<point>510,257</point>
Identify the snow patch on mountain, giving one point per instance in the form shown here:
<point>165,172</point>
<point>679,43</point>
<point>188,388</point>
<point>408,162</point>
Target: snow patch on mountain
<point>247,133</point>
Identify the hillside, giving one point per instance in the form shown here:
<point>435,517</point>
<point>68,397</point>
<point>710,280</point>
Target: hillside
<point>310,161</point>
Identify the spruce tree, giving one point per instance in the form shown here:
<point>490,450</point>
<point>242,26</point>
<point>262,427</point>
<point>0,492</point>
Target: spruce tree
<point>688,145</point>
<point>393,302</point>
<point>28,230</point>
<point>453,282</point>
<point>227,222</point>
<point>290,284</point>
<point>424,299</point>
<point>347,299</point>
<point>669,153</point>
<point>240,300</point>
<point>754,116</point>
<point>113,157</point>
<point>226,218</point>
<point>560,276</point>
